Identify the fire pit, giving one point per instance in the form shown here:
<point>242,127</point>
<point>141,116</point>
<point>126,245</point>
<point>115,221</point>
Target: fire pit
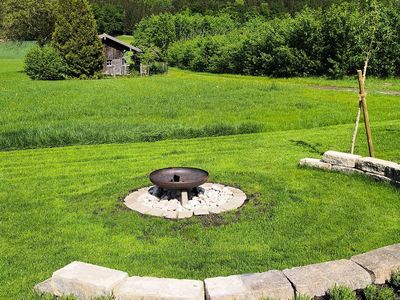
<point>183,192</point>
<point>181,179</point>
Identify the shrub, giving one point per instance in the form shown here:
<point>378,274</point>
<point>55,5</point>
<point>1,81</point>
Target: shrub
<point>374,293</point>
<point>45,63</point>
<point>395,279</point>
<point>341,293</point>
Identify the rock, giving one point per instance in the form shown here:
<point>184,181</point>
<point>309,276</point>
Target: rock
<point>393,172</point>
<point>268,285</point>
<point>170,214</point>
<point>185,214</point>
<point>206,185</point>
<point>44,288</point>
<point>339,158</point>
<point>218,187</point>
<point>201,212</point>
<point>346,170</point>
<point>380,262</point>
<point>139,207</point>
<point>135,197</point>
<point>215,210</point>
<point>148,288</point>
<point>155,212</point>
<point>156,191</point>
<point>374,165</point>
<point>315,280</point>
<point>86,281</point>
<point>227,191</point>
<point>378,177</point>
<point>173,205</point>
<point>314,163</point>
<point>232,204</point>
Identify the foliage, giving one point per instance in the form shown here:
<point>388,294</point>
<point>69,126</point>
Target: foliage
<point>164,29</point>
<point>109,18</point>
<point>314,42</point>
<point>45,63</point>
<point>27,20</point>
<point>153,58</point>
<point>240,10</point>
<point>75,37</point>
<point>372,292</point>
<point>395,279</point>
<point>341,293</point>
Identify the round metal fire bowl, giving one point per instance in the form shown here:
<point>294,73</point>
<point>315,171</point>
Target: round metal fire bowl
<point>179,178</point>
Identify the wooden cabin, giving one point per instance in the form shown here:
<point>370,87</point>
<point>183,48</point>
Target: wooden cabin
<point>114,51</point>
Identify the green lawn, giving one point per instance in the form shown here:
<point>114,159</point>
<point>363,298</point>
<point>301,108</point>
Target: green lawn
<point>63,204</point>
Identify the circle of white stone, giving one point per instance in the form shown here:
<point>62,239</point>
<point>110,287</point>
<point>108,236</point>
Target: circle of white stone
<point>211,198</point>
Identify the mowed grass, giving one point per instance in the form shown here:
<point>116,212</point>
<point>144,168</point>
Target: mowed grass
<point>63,204</point>
<point>175,106</point>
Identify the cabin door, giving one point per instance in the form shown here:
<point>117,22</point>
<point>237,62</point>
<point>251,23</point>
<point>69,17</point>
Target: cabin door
<point>117,65</point>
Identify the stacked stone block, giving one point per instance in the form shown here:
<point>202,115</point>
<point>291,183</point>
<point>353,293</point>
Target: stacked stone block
<point>86,281</point>
<point>378,169</point>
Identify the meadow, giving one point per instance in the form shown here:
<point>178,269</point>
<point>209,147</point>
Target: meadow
<point>95,141</point>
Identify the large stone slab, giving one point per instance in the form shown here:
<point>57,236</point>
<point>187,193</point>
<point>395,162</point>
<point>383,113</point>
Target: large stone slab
<point>86,281</point>
<point>374,165</point>
<point>346,170</point>
<point>393,172</point>
<point>380,262</point>
<point>314,163</point>
<point>269,285</point>
<point>315,280</point>
<point>149,288</point>
<point>340,158</point>
<point>44,288</point>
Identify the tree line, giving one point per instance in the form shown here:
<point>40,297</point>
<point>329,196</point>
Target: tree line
<point>121,16</point>
<point>332,42</point>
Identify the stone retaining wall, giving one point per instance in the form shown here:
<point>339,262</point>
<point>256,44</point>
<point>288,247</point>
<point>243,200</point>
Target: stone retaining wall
<point>87,281</point>
<point>378,169</point>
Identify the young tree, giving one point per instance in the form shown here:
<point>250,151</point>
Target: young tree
<point>75,37</point>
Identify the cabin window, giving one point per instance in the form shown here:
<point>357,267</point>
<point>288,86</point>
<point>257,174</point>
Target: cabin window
<point>109,63</point>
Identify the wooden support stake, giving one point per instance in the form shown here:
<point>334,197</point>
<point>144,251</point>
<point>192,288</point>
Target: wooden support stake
<point>363,98</point>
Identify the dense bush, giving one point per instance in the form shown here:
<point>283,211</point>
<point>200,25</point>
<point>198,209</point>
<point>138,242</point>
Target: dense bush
<point>164,29</point>
<point>334,42</point>
<point>44,63</point>
<point>341,293</point>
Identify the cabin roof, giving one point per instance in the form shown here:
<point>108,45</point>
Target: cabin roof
<point>104,37</point>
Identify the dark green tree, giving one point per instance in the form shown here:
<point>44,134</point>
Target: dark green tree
<point>109,18</point>
<point>75,37</point>
<point>27,20</point>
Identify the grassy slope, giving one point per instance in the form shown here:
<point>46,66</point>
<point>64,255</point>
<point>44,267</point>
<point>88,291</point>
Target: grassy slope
<point>64,204</point>
<point>179,105</point>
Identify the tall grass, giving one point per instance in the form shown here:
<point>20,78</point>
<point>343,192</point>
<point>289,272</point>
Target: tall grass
<point>179,105</point>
